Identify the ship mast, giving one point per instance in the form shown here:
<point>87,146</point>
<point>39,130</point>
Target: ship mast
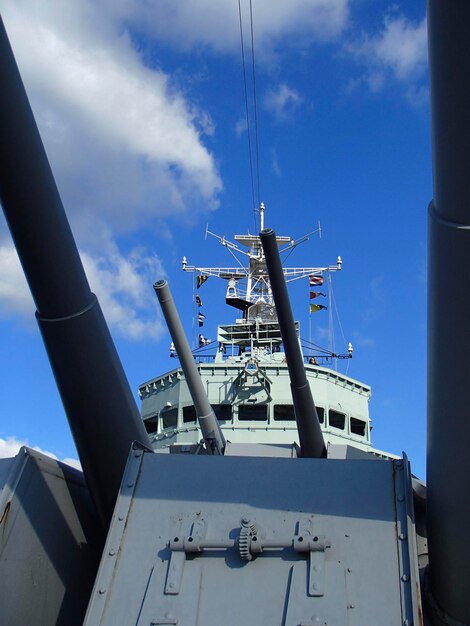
<point>248,283</point>
<point>261,216</point>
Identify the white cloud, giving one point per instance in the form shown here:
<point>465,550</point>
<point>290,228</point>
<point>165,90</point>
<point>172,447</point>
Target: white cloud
<point>123,285</point>
<point>186,23</point>
<point>363,341</point>
<point>399,50</point>
<point>126,147</point>
<point>15,296</point>
<point>241,127</point>
<point>125,144</point>
<point>10,447</point>
<point>275,163</point>
<point>323,332</point>
<point>402,47</point>
<point>121,139</point>
<point>283,102</point>
<point>124,289</point>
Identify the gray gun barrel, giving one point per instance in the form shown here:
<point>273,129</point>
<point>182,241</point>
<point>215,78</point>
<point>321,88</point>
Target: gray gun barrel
<point>100,407</point>
<point>448,468</point>
<point>308,425</point>
<point>211,431</point>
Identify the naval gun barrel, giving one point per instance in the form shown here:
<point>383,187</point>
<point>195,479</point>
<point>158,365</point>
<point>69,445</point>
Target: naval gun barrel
<point>99,404</point>
<point>210,428</point>
<point>448,395</point>
<point>308,424</point>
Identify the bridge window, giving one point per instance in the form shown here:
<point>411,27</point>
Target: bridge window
<point>151,424</point>
<point>223,412</point>
<point>169,417</point>
<point>284,412</point>
<point>321,414</point>
<point>189,414</point>
<point>336,419</point>
<point>253,412</point>
<point>358,427</point>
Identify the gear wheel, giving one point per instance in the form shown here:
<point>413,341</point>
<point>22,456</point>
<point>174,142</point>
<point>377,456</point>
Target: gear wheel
<point>244,541</point>
<point>247,531</point>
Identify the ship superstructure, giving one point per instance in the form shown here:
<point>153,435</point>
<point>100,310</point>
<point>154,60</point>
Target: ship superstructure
<point>244,371</point>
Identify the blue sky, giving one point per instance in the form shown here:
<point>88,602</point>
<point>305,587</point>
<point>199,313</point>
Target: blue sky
<point>141,109</point>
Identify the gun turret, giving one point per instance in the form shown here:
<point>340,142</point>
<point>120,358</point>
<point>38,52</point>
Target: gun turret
<point>310,435</point>
<point>87,369</point>
<point>211,431</point>
<point>448,475</point>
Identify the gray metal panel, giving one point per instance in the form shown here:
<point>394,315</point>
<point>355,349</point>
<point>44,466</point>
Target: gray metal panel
<point>5,465</point>
<point>354,577</point>
<point>287,451</point>
<point>48,553</point>
<point>343,451</point>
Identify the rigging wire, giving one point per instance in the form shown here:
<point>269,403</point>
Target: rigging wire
<point>331,340</point>
<point>237,260</point>
<point>338,318</point>
<point>247,110</point>
<point>194,313</point>
<point>255,101</point>
<point>310,344</point>
<point>253,150</point>
<point>288,254</point>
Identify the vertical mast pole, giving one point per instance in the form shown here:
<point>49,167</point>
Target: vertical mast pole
<point>261,216</point>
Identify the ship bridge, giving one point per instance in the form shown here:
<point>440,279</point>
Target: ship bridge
<point>245,373</point>
<point>252,401</point>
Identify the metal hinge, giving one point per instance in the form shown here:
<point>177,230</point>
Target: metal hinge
<point>251,542</point>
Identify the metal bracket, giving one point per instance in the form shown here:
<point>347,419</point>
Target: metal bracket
<point>315,543</point>
<point>179,546</point>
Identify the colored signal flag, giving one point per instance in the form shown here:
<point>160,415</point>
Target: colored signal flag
<point>317,307</point>
<point>201,279</point>
<point>315,280</point>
